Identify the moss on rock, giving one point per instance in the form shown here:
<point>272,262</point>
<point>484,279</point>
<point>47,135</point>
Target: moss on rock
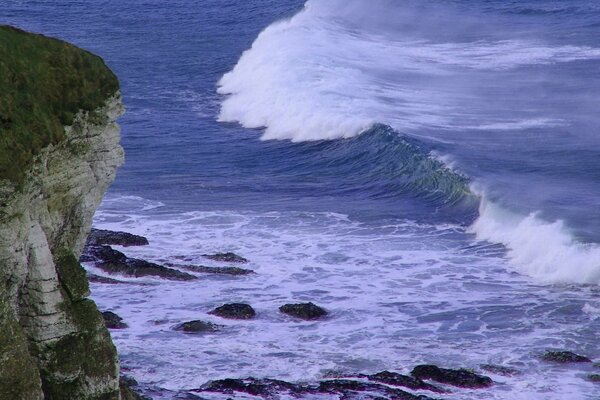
<point>44,82</point>
<point>19,376</point>
<point>72,276</point>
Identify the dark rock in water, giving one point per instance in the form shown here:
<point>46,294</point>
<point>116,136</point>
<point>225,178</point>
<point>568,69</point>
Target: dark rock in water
<point>594,378</point>
<point>103,279</point>
<point>125,388</point>
<point>99,237</point>
<point>564,357</point>
<point>196,327</point>
<point>395,379</point>
<point>255,387</point>
<point>276,389</point>
<point>140,268</point>
<point>455,377</point>
<point>235,271</point>
<point>113,321</point>
<point>234,311</point>
<point>102,253</point>
<point>500,370</point>
<point>226,257</point>
<point>306,311</point>
<point>115,262</point>
<point>361,390</point>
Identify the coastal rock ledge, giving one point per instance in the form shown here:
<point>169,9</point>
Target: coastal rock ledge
<point>59,152</point>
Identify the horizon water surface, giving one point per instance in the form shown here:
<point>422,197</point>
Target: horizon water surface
<point>427,171</point>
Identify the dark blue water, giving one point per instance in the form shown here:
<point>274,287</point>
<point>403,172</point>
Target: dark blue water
<point>458,139</point>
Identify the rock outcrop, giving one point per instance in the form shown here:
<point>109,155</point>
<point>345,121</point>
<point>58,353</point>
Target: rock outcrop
<point>53,342</point>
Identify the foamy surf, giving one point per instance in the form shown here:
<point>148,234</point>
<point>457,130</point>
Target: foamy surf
<point>543,250</point>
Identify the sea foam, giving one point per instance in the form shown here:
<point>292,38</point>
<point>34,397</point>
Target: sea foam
<point>541,249</point>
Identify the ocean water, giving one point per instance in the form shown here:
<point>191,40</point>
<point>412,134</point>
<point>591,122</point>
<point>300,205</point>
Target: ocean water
<point>428,171</point>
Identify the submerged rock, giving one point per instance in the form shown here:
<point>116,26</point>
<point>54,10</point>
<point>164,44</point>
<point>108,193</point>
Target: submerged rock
<point>306,311</point>
<point>395,379</point>
<point>594,378</point>
<point>234,311</point>
<point>115,262</point>
<point>500,370</point>
<point>125,388</point>
<point>255,387</point>
<point>99,237</point>
<point>455,377</point>
<point>226,257</point>
<point>196,326</point>
<point>362,390</point>
<point>113,321</point>
<point>564,357</point>
<point>234,271</point>
<point>103,279</point>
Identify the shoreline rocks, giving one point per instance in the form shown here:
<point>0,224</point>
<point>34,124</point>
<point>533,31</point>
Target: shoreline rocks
<point>113,321</point>
<point>103,237</point>
<point>455,377</point>
<point>226,257</point>
<point>233,271</point>
<point>114,262</point>
<point>196,326</point>
<point>305,311</point>
<point>564,357</point>
<point>234,311</point>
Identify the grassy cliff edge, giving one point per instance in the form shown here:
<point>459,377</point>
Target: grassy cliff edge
<point>44,82</point>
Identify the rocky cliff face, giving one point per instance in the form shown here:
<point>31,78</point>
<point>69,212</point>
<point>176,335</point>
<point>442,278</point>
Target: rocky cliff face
<point>53,342</point>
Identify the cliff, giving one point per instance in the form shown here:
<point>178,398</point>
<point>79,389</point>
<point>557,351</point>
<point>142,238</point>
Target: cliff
<point>59,152</point>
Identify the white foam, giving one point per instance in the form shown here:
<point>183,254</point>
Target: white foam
<point>541,249</point>
<point>399,293</point>
<point>329,72</point>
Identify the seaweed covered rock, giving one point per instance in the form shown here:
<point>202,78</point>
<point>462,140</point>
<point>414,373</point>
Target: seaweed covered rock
<point>115,262</point>
<point>226,257</point>
<point>564,357</point>
<point>305,311</point>
<point>196,326</point>
<point>113,321</point>
<point>455,377</point>
<point>234,311</point>
<point>99,237</point>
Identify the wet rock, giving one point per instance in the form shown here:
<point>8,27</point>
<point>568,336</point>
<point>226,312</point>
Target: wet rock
<point>455,377</point>
<point>234,271</point>
<point>306,311</point>
<point>500,370</point>
<point>113,321</point>
<point>395,379</point>
<point>99,237</point>
<point>255,387</point>
<point>359,389</point>
<point>594,378</point>
<point>234,311</point>
<point>196,327</point>
<point>125,388</point>
<point>564,357</point>
<point>102,253</point>
<point>103,279</point>
<point>226,257</point>
<point>115,262</point>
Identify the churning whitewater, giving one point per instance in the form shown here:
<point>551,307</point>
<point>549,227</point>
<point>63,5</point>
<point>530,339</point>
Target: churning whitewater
<point>337,68</point>
<point>426,171</point>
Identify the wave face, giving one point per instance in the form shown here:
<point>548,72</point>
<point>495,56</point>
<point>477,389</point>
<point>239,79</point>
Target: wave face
<point>338,67</point>
<point>507,99</point>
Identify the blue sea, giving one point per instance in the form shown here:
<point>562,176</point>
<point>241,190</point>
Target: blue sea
<point>427,171</point>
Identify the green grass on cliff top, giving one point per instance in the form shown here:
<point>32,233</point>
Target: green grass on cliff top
<point>44,82</point>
